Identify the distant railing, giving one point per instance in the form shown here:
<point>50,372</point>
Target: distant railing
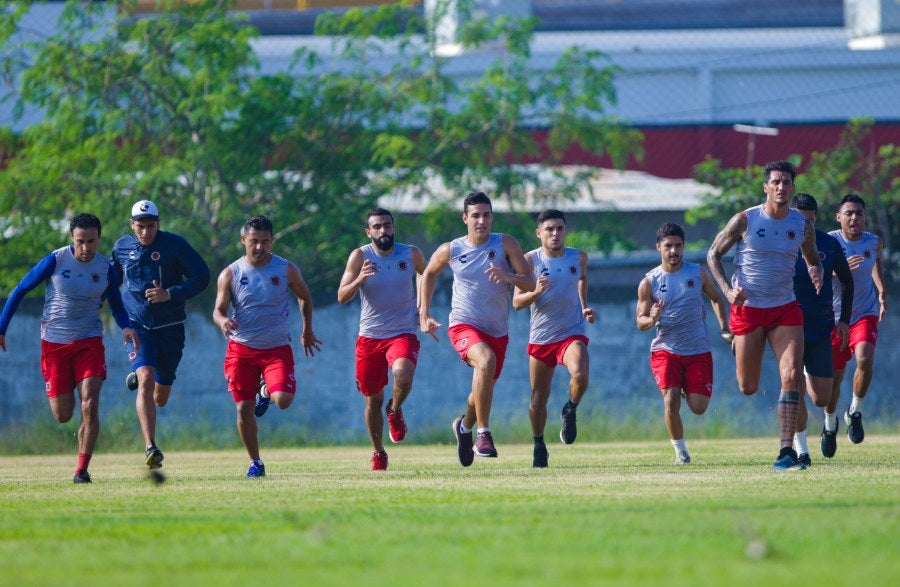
<point>151,6</point>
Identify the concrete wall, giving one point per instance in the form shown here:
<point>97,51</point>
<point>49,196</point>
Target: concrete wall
<point>329,407</point>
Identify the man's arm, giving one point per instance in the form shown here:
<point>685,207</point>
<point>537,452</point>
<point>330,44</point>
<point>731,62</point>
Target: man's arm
<point>878,277</point>
<point>195,269</point>
<point>523,299</point>
<point>304,299</point>
<point>41,272</point>
<point>647,311</point>
<point>522,278</point>
<point>419,264</point>
<point>811,256</point>
<point>589,314</point>
<point>711,292</point>
<point>841,269</point>
<point>356,273</point>
<point>439,260</point>
<point>731,234</point>
<point>223,299</point>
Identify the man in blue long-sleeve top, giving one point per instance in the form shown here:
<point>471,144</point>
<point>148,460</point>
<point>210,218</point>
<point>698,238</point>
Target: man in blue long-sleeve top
<point>78,279</point>
<point>160,272</point>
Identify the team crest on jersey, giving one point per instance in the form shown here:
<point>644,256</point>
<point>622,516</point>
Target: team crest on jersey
<point>573,270</point>
<point>275,280</point>
<point>491,255</point>
<point>155,255</point>
<point>95,277</point>
<point>401,265</point>
<point>867,254</point>
<point>690,283</point>
<point>791,235</point>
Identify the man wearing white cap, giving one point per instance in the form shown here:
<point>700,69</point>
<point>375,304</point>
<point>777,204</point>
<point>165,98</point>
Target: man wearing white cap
<point>160,271</point>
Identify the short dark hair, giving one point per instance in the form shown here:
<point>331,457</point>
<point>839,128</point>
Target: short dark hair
<point>551,214</point>
<point>473,198</point>
<point>785,166</point>
<point>259,223</point>
<point>377,212</point>
<point>855,198</point>
<point>669,229</point>
<point>85,220</point>
<point>804,202</point>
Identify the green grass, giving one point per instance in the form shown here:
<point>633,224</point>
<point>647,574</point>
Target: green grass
<point>611,513</point>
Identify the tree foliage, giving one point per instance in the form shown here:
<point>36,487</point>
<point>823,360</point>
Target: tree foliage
<point>854,165</point>
<point>175,109</point>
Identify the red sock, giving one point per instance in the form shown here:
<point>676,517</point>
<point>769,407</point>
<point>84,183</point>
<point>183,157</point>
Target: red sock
<point>83,460</point>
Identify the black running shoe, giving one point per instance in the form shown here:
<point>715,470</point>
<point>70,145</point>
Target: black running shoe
<point>82,476</point>
<point>154,457</point>
<point>569,430</point>
<point>540,455</point>
<point>464,449</point>
<point>803,459</point>
<point>855,432</point>
<point>828,443</point>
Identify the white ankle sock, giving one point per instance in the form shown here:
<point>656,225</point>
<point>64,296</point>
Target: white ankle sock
<point>856,405</point>
<point>800,443</point>
<point>679,446</point>
<point>830,422</point>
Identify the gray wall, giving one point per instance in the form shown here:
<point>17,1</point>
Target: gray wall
<point>328,407</point>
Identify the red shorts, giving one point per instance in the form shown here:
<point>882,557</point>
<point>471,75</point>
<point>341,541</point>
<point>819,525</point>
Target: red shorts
<point>552,354</point>
<point>744,319</point>
<point>375,355</point>
<point>690,373</point>
<point>65,364</point>
<point>244,366</point>
<point>863,330</point>
<point>464,336</point>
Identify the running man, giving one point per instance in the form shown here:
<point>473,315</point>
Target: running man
<point>863,251</point>
<point>382,272</point>
<point>153,265</point>
<point>761,293</point>
<point>670,297</point>
<point>78,279</point>
<point>818,324</point>
<point>258,286</point>
<point>559,310</point>
<point>485,266</point>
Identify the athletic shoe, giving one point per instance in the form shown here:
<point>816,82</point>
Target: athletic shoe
<point>803,459</point>
<point>484,445</point>
<point>396,423</point>
<point>855,432</point>
<point>262,402</point>
<point>540,455</point>
<point>569,430</point>
<point>682,458</point>
<point>828,443</point>
<point>379,461</point>
<point>787,461</point>
<point>463,444</point>
<point>131,381</point>
<point>154,457</point>
<point>82,476</point>
<point>257,469</point>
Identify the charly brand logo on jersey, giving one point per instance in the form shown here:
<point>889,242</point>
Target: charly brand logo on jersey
<point>95,277</point>
<point>573,270</point>
<point>664,287</point>
<point>545,271</point>
<point>691,283</point>
<point>463,259</point>
<point>491,255</point>
<point>761,233</point>
<point>244,280</point>
<point>401,265</point>
<point>791,235</point>
<point>155,255</point>
<point>275,280</point>
<point>66,273</point>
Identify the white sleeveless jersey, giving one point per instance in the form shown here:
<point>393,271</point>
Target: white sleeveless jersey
<point>476,301</point>
<point>388,298</point>
<point>681,328</point>
<point>766,257</point>
<point>259,298</point>
<point>556,313</point>
<point>73,298</point>
<point>865,295</point>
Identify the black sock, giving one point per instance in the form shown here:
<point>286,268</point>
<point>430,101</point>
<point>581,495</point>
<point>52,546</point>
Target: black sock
<point>539,439</point>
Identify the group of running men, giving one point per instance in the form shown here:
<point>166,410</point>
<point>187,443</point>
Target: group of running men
<point>781,292</point>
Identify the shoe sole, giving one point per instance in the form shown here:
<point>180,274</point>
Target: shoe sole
<point>469,459</point>
<point>155,460</point>
<point>485,454</point>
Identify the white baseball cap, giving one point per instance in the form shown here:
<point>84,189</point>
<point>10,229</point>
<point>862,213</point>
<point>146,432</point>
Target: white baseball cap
<point>144,209</point>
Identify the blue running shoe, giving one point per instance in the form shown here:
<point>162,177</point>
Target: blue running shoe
<point>262,401</point>
<point>788,461</point>
<point>855,432</point>
<point>257,469</point>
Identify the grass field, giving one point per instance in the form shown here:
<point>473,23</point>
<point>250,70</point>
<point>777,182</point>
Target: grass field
<point>610,513</point>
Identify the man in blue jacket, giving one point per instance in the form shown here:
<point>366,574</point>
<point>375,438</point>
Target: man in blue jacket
<point>160,271</point>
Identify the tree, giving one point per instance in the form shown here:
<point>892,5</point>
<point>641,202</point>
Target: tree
<point>174,109</point>
<point>854,165</point>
